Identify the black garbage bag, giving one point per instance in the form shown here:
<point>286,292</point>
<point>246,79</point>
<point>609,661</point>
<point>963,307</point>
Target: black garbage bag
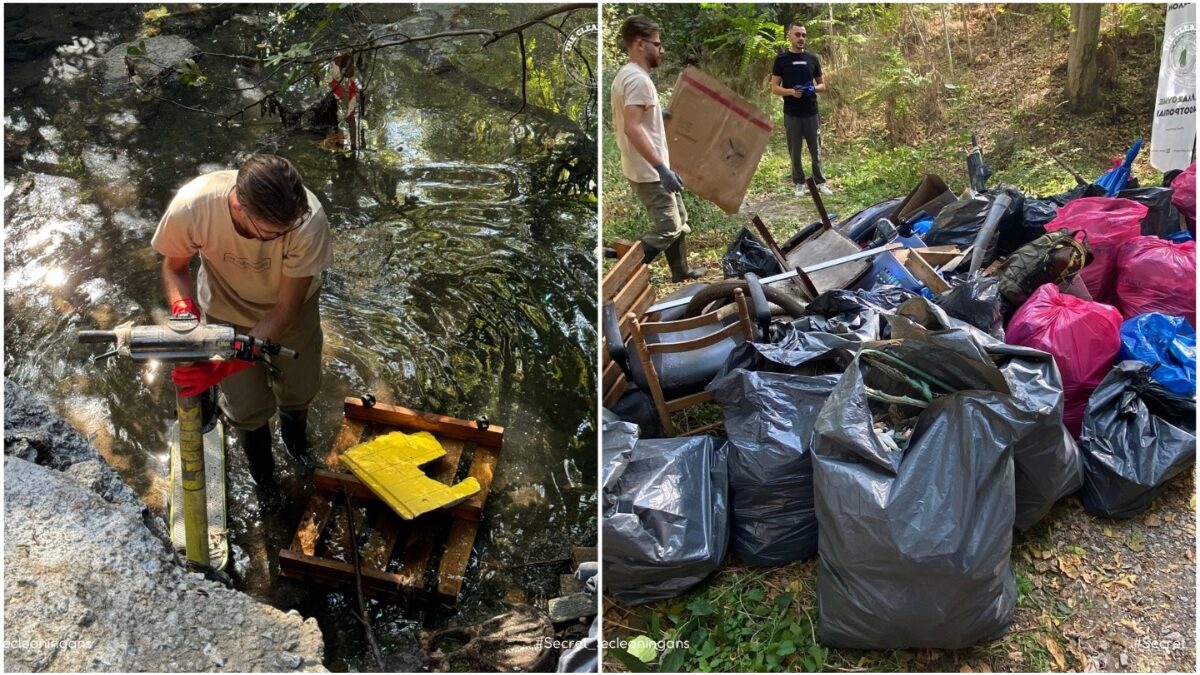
<point>855,315</point>
<point>1038,212</point>
<point>1046,460</point>
<point>792,352</point>
<point>1136,436</point>
<point>747,254</point>
<point>959,223</point>
<point>666,514</point>
<point>769,420</point>
<point>1162,217</point>
<point>915,543</point>
<point>977,302</point>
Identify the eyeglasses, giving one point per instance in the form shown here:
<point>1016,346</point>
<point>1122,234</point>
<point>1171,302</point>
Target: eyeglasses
<point>657,45</point>
<point>271,235</point>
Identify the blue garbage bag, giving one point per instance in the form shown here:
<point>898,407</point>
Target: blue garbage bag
<point>1167,343</point>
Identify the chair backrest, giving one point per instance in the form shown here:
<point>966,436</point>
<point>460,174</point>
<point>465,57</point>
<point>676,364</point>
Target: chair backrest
<point>644,352</point>
<point>626,291</point>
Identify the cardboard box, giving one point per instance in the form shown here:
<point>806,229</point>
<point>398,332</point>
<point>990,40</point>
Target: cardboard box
<point>927,198</point>
<point>716,139</point>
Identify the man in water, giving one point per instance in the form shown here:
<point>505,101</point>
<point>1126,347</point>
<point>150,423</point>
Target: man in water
<point>797,77</point>
<point>263,241</point>
<point>642,141</point>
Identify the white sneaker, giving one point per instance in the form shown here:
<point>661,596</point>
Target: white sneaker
<point>799,189</point>
<point>824,189</point>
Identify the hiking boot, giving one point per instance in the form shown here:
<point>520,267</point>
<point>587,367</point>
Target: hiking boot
<point>800,190</point>
<point>293,428</point>
<point>824,189</point>
<point>257,445</point>
<point>677,261</point>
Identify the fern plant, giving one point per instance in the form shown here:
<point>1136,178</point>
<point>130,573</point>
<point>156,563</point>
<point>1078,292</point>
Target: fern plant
<point>745,34</point>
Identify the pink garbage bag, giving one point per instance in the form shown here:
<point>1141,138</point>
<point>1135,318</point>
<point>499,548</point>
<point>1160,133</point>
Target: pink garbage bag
<point>1156,275</point>
<point>1108,222</point>
<point>1184,197</point>
<point>1084,338</point>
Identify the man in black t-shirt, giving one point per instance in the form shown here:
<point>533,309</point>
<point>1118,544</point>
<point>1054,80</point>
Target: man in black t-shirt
<point>797,77</point>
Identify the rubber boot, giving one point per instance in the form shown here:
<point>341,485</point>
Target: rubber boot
<point>677,261</point>
<point>649,253</point>
<point>293,427</point>
<point>257,445</point>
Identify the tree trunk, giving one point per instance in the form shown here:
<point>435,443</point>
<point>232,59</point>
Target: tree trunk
<point>946,32</point>
<point>1081,58</point>
<point>833,50</point>
<point>964,8</point>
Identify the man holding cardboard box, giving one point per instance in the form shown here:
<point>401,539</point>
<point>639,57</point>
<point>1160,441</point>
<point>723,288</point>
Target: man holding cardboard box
<point>797,77</point>
<point>642,141</point>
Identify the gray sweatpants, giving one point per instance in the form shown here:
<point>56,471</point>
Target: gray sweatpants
<point>801,130</point>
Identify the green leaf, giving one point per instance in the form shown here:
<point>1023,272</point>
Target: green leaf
<point>673,661</point>
<point>631,664</point>
<point>701,607</point>
<point>818,654</point>
<point>755,595</point>
<point>643,648</point>
<point>655,626</point>
<point>785,648</point>
<point>783,601</point>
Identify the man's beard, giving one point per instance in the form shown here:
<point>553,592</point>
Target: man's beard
<point>653,59</point>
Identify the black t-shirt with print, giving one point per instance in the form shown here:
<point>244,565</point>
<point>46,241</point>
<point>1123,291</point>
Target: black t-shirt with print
<point>794,69</point>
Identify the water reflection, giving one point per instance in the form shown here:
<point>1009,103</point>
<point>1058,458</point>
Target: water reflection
<point>461,284</point>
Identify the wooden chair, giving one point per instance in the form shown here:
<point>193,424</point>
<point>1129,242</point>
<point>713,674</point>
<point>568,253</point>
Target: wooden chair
<point>626,290</point>
<point>715,331</point>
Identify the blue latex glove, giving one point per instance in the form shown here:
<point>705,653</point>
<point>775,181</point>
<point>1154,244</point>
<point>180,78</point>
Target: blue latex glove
<point>669,179</point>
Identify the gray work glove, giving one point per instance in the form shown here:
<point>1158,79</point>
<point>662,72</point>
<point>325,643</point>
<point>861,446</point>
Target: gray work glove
<point>669,179</point>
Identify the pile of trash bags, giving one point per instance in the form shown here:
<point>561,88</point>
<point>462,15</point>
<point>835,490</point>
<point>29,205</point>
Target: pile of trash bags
<point>902,437</point>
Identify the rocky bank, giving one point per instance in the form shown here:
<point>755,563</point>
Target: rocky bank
<point>91,581</point>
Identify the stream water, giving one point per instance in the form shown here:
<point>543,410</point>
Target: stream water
<point>464,276</point>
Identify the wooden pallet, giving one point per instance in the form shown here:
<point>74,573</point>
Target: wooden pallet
<point>398,556</point>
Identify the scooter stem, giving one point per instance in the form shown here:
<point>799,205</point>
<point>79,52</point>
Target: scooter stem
<point>191,465</point>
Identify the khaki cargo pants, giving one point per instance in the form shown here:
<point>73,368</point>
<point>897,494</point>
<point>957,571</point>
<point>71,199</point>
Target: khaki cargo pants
<point>250,398</point>
<point>668,217</point>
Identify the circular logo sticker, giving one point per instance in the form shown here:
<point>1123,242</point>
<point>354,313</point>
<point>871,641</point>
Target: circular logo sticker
<point>579,54</point>
<point>1181,56</point>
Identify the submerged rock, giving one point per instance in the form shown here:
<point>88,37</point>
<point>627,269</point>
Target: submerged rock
<point>162,52</point>
<point>91,583</point>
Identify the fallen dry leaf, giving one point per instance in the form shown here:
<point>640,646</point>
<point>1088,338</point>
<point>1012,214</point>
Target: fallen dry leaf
<point>1056,651</point>
<point>965,669</point>
<point>1070,565</point>
<point>1136,542</point>
<point>1152,520</point>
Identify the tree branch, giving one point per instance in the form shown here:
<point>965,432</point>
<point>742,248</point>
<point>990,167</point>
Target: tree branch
<point>373,44</point>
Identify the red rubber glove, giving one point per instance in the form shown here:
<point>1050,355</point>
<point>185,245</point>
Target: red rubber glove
<point>195,378</point>
<point>185,306</point>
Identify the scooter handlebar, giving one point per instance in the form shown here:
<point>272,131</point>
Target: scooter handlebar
<point>96,337</point>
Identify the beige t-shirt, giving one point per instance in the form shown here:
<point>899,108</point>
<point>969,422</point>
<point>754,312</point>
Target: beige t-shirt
<point>239,278</point>
<point>633,86</point>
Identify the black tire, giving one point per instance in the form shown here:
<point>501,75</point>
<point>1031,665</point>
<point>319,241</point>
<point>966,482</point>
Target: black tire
<point>720,294</point>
